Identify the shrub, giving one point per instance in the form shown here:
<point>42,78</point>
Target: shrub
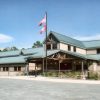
<point>63,74</point>
<point>93,75</point>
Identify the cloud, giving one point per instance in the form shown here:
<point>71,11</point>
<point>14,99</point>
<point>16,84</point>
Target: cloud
<point>87,38</point>
<point>5,38</point>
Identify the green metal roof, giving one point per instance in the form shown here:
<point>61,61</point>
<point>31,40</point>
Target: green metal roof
<point>90,57</point>
<point>92,44</point>
<point>75,54</point>
<point>94,57</point>
<point>33,51</point>
<point>10,53</point>
<point>20,56</point>
<point>12,60</point>
<point>67,40</point>
<point>42,54</point>
<point>82,44</point>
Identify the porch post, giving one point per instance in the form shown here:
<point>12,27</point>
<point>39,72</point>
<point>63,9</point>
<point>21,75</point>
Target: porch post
<point>35,70</point>
<point>8,70</point>
<point>59,66</point>
<point>27,69</point>
<point>73,67</point>
<point>43,66</point>
<point>82,68</point>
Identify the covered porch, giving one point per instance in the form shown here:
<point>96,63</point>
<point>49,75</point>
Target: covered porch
<point>61,62</point>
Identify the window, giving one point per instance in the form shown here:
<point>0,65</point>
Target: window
<point>54,46</point>
<point>48,46</point>
<point>5,69</point>
<point>98,51</point>
<point>74,49</point>
<point>69,47</point>
<point>17,68</point>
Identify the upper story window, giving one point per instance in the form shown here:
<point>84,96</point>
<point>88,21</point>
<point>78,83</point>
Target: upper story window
<point>74,49</point>
<point>98,51</point>
<point>69,47</point>
<point>48,46</point>
<point>54,46</point>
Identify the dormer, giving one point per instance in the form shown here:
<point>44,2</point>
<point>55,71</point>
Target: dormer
<point>52,42</point>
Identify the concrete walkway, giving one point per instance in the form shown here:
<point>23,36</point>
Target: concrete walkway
<point>51,79</point>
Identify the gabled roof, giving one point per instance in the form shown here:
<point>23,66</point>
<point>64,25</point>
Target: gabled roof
<point>67,40</point>
<point>82,44</point>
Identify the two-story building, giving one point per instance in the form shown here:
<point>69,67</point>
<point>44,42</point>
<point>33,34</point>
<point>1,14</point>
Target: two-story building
<point>63,54</point>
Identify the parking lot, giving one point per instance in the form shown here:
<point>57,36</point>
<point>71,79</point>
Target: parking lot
<point>15,89</point>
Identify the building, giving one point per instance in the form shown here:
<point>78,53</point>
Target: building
<point>63,54</point>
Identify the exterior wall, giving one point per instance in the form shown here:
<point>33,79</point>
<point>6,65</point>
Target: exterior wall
<point>58,45</point>
<point>31,66</point>
<point>11,71</point>
<point>6,73</point>
<point>95,67</point>
<point>72,48</point>
<point>91,51</point>
<point>78,50</point>
<point>63,46</point>
<point>81,51</point>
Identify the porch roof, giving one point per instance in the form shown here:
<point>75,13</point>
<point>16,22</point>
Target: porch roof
<point>42,54</point>
<point>94,57</point>
<point>17,57</point>
<point>90,57</point>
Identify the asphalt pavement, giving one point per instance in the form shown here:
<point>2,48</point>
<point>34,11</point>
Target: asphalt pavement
<point>12,89</point>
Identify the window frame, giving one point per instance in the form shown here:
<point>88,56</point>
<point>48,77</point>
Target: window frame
<point>74,48</point>
<point>69,47</point>
<point>98,51</point>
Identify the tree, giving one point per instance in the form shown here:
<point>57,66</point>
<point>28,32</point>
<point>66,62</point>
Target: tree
<point>6,49</point>
<point>37,44</point>
<point>10,48</point>
<point>14,48</point>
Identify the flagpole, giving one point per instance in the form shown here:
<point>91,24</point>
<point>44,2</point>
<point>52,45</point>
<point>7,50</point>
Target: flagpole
<point>46,42</point>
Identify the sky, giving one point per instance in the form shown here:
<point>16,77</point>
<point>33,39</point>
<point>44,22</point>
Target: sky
<point>19,19</point>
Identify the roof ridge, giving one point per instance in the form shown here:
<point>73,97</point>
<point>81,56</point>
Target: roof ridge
<point>90,40</point>
<point>65,36</point>
<point>9,51</point>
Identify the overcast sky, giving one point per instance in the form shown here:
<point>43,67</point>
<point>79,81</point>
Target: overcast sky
<point>19,20</point>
